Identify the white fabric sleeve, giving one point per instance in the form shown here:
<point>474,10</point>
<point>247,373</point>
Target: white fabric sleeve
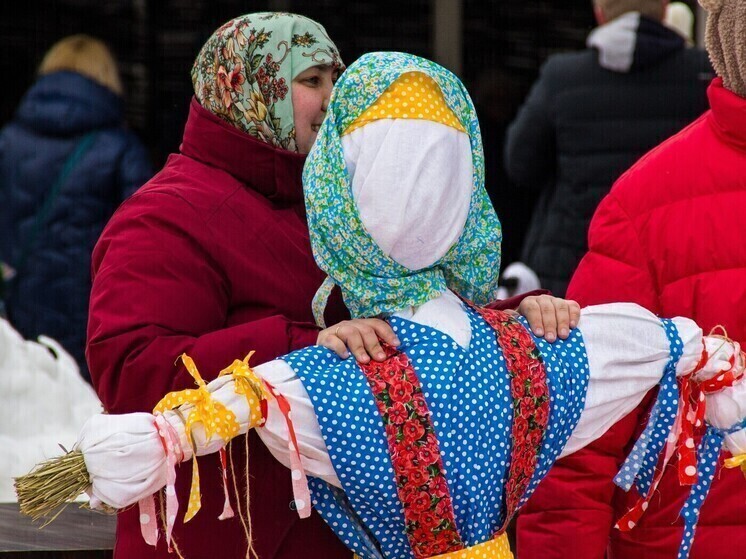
<point>124,457</point>
<point>627,350</point>
<point>274,434</point>
<point>126,461</point>
<point>726,408</point>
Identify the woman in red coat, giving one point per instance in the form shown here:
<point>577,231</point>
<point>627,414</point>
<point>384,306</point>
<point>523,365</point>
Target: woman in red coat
<point>669,237</point>
<point>212,258</point>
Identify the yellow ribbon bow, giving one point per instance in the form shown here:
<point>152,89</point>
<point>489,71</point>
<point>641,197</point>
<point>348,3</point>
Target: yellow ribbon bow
<point>214,417</point>
<point>247,382</point>
<point>738,461</point>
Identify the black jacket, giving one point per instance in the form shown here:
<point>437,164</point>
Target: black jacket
<point>584,123</point>
<point>50,293</point>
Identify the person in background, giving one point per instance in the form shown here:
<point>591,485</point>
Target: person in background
<point>497,96</point>
<point>667,237</point>
<point>66,162</point>
<point>589,116</point>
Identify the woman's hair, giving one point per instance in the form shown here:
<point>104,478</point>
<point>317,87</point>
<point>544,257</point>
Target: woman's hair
<point>87,56</point>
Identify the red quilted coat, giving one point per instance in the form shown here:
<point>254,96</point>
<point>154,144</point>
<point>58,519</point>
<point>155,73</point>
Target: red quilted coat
<point>211,257</point>
<point>670,237</point>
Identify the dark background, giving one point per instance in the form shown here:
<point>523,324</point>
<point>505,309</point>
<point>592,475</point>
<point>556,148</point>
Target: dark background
<point>155,41</point>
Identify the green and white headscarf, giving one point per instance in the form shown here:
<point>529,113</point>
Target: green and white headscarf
<point>372,282</point>
<point>244,71</point>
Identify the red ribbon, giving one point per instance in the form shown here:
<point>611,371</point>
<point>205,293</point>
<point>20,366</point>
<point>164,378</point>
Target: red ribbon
<point>692,405</point>
<point>301,493</point>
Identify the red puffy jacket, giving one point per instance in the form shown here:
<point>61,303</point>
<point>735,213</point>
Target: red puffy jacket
<point>669,237</point>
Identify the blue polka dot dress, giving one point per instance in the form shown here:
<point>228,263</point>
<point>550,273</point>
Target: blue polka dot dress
<point>469,399</point>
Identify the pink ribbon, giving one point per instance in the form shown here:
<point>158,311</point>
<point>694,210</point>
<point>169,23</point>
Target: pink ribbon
<point>227,510</point>
<point>174,455</point>
<point>148,522</point>
<point>301,493</point>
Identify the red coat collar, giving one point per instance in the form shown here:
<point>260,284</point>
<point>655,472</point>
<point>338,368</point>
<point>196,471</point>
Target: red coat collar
<point>728,115</point>
<point>275,173</point>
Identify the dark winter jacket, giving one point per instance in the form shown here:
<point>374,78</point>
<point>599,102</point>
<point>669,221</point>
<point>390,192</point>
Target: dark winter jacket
<point>49,295</point>
<point>588,118</point>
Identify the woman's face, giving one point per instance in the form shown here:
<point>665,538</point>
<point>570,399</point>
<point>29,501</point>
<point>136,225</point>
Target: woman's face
<point>311,91</point>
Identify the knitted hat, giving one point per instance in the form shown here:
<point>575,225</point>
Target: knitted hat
<point>726,41</point>
<point>612,9</point>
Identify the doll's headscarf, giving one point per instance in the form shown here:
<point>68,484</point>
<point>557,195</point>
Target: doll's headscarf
<point>244,71</point>
<point>372,282</point>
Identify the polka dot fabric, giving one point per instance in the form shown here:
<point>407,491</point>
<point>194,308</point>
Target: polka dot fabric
<point>708,452</point>
<point>639,468</point>
<point>468,394</point>
<point>356,441</point>
<point>568,374</point>
<point>413,95</point>
<point>472,430</point>
<point>497,548</point>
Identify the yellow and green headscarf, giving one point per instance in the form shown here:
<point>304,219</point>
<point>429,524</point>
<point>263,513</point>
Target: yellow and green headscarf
<point>372,283</point>
<point>244,71</point>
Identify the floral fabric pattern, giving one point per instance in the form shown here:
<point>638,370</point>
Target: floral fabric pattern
<point>528,387</point>
<point>423,490</point>
<point>371,282</point>
<point>243,73</point>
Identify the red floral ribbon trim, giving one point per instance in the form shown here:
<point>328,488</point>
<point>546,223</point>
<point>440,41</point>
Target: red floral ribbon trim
<point>528,386</point>
<point>429,519</point>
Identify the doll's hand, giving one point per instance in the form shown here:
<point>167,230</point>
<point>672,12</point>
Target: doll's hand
<point>361,336</point>
<point>549,316</point>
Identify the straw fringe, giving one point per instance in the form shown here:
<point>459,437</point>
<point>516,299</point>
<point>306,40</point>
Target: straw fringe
<point>52,485</point>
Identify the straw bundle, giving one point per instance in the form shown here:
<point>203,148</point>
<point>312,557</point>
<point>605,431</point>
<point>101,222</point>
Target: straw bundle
<point>52,485</point>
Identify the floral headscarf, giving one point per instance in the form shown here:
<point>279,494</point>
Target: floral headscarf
<point>244,71</point>
<point>372,283</point>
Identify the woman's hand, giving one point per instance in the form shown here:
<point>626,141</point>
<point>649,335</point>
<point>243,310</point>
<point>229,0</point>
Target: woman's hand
<point>550,316</point>
<point>361,336</point>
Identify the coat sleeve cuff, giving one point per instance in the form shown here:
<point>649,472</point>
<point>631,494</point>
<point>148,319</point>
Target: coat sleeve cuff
<point>512,302</point>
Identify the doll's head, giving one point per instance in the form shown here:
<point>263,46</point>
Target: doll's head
<point>394,188</point>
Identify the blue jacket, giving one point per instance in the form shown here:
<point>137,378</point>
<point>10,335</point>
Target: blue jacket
<point>49,295</point>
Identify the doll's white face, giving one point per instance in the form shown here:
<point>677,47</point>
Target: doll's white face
<point>412,182</point>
